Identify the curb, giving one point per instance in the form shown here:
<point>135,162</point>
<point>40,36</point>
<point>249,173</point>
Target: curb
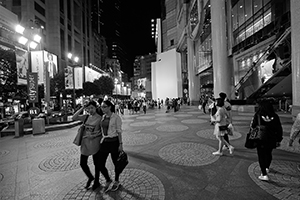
<point>28,131</point>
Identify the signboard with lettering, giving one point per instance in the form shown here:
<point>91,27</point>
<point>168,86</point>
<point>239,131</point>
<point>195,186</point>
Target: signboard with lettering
<point>32,83</point>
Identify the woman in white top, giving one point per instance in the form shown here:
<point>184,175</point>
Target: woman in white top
<point>111,143</point>
<point>90,143</point>
<point>221,119</point>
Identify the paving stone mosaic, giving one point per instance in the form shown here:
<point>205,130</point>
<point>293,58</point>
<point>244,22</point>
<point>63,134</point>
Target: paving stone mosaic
<point>172,128</point>
<point>284,181</point>
<point>188,154</point>
<point>135,184</point>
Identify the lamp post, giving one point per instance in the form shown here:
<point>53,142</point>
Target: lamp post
<point>31,43</point>
<point>75,59</point>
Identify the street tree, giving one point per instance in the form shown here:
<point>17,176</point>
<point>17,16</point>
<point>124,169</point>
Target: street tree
<point>90,88</point>
<point>105,85</point>
<point>8,72</point>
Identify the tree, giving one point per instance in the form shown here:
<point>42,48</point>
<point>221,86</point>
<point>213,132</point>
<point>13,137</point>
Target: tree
<point>105,85</point>
<point>90,88</point>
<point>57,84</point>
<point>8,72</point>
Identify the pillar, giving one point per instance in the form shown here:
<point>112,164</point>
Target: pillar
<point>222,71</point>
<point>194,82</point>
<point>295,40</point>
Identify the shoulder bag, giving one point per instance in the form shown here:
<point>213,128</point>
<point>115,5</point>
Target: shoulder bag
<point>79,135</point>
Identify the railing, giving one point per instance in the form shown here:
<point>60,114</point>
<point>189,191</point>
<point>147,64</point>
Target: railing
<point>269,50</point>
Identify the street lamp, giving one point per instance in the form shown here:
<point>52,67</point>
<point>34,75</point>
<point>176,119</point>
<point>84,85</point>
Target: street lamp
<point>76,60</point>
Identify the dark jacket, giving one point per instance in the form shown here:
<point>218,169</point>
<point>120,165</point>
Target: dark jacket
<point>273,129</point>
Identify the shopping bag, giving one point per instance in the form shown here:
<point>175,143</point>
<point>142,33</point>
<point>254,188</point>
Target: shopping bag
<point>122,162</point>
<point>230,130</point>
<point>78,138</point>
<point>79,135</point>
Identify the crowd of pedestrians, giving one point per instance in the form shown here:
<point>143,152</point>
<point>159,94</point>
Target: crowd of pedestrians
<point>103,131</point>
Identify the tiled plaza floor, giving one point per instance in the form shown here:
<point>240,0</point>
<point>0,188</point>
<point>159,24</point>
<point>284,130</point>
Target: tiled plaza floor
<point>170,158</point>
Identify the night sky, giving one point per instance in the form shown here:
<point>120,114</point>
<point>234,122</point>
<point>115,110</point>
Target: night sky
<point>137,15</point>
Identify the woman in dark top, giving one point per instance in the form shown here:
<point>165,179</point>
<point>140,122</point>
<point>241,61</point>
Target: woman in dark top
<point>267,117</point>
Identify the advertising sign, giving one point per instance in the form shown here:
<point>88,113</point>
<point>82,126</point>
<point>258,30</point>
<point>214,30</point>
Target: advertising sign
<point>37,65</point>
<point>22,65</point>
<point>50,63</point>
<point>78,76</point>
<point>69,77</point>
<point>32,83</point>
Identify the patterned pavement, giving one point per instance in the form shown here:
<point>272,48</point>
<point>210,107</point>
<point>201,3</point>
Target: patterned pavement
<point>170,157</point>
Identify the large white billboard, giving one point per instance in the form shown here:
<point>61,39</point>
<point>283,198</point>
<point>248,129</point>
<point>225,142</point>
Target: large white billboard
<point>166,76</point>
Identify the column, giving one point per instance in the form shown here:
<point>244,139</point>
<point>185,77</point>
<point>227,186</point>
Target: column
<point>222,71</point>
<point>194,82</point>
<point>295,39</point>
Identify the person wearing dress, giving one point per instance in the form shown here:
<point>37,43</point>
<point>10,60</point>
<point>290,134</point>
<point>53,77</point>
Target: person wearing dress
<point>90,143</point>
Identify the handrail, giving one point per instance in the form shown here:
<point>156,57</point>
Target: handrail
<point>271,49</point>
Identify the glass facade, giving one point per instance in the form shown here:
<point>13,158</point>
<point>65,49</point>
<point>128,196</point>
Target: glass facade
<point>248,17</point>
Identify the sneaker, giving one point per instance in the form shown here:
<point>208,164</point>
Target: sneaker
<point>115,186</point>
<point>263,178</point>
<point>88,183</point>
<point>217,153</point>
<point>231,149</point>
<point>267,170</point>
<point>224,147</point>
<point>107,186</point>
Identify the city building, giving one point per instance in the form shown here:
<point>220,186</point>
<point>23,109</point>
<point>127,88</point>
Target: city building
<point>242,48</point>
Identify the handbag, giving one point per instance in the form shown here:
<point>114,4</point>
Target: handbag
<point>78,138</point>
<point>259,132</point>
<point>122,162</point>
<point>223,128</point>
<point>250,143</point>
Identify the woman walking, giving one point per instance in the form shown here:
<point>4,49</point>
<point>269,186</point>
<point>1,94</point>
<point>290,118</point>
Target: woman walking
<point>271,138</point>
<point>110,144</point>
<point>90,144</point>
<point>220,120</point>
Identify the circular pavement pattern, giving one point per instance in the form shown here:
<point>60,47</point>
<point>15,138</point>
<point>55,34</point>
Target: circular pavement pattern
<point>183,115</point>
<point>285,145</point>
<point>208,134</point>
<point>286,128</point>
<point>65,160</point>
<point>3,153</point>
<point>284,179</point>
<point>133,139</point>
<point>55,142</point>
<point>193,121</point>
<point>135,184</point>
<point>146,117</point>
<point>144,123</point>
<point>172,128</point>
<point>165,119</point>
<point>188,154</point>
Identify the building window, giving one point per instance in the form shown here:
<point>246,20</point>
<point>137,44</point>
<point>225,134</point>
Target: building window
<point>39,9</point>
<point>61,6</point>
<point>172,42</point>
<point>16,3</point>
<point>194,18</point>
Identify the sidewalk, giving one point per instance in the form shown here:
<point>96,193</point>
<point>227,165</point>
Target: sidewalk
<point>170,158</point>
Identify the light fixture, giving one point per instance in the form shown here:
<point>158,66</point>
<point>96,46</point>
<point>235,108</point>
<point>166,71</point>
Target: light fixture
<point>33,45</point>
<point>22,40</point>
<point>69,55</point>
<point>76,59</point>
<point>37,38</point>
<point>19,29</point>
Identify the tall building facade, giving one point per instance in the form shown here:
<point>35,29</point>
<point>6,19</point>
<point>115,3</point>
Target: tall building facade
<point>242,48</point>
